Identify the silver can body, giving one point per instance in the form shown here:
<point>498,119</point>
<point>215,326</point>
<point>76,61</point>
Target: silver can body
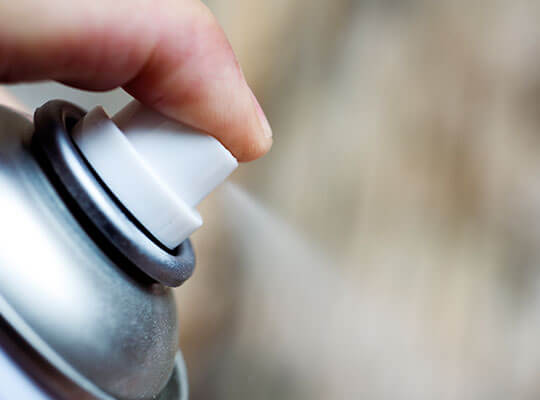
<point>16,384</point>
<point>93,329</point>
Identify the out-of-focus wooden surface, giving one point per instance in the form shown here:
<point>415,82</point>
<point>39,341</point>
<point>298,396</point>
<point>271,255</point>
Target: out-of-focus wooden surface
<point>407,150</point>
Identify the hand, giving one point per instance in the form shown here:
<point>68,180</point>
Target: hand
<point>171,55</point>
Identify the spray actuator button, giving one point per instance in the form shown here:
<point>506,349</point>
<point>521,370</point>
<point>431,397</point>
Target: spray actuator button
<point>192,164</point>
<point>157,168</point>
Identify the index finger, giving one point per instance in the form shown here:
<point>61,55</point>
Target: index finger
<point>171,55</point>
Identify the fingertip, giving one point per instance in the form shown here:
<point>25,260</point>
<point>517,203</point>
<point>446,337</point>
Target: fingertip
<point>245,131</point>
<point>255,148</point>
<point>195,78</point>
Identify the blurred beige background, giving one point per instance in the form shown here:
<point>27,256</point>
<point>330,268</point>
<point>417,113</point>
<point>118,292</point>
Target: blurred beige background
<point>389,245</point>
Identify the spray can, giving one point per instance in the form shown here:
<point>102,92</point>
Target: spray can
<point>95,215</point>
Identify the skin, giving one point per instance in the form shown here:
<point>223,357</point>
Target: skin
<point>171,55</point>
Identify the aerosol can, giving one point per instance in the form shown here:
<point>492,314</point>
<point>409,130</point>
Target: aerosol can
<point>95,218</point>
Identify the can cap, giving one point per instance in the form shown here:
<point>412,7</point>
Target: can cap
<point>159,169</point>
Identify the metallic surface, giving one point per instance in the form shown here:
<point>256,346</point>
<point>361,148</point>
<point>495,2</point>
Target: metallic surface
<point>102,215</point>
<point>89,318</point>
<point>17,384</point>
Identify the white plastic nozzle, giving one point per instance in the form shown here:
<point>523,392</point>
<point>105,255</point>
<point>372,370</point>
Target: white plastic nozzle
<point>157,168</point>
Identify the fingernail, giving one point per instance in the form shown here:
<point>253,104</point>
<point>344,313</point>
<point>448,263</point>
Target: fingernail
<point>267,130</point>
